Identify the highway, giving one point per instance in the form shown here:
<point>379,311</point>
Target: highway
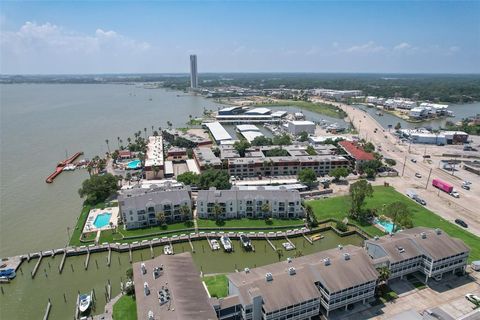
<point>467,207</point>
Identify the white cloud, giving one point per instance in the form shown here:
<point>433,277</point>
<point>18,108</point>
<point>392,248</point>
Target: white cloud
<point>402,46</point>
<point>369,47</point>
<point>49,44</point>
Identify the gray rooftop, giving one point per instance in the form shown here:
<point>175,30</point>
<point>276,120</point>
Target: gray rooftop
<point>139,198</point>
<point>234,194</point>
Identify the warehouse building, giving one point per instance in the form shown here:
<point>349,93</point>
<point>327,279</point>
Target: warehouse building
<point>218,132</point>
<point>296,127</point>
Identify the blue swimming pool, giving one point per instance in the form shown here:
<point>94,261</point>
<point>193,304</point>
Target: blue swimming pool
<point>387,225</point>
<point>102,220</point>
<point>135,164</point>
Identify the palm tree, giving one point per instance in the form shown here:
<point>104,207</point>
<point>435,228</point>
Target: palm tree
<point>279,254</point>
<point>118,142</point>
<point>265,208</point>
<point>128,177</point>
<point>145,130</point>
<point>186,213</point>
<point>156,169</point>
<point>217,211</point>
<point>90,168</point>
<point>108,147</point>
<point>383,275</point>
<point>160,218</point>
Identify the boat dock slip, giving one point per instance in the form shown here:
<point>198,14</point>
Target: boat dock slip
<point>191,244</point>
<point>209,243</point>
<point>77,309</point>
<point>270,243</point>
<point>62,263</point>
<point>47,311</point>
<point>61,165</point>
<point>151,250</point>
<point>307,238</point>
<point>87,259</point>
<point>130,252</point>
<point>34,271</point>
<point>290,241</point>
<point>109,259</point>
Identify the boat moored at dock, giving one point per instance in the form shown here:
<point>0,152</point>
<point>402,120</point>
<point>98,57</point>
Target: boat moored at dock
<point>226,243</point>
<point>246,242</point>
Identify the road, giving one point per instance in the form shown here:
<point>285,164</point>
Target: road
<point>467,207</point>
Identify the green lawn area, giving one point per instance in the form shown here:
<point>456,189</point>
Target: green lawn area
<point>156,229</point>
<point>388,296</point>
<point>422,217</point>
<point>217,285</point>
<point>125,309</point>
<point>245,223</point>
<point>75,239</point>
<point>322,108</point>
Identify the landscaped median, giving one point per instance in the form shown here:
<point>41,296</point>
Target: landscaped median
<point>338,207</point>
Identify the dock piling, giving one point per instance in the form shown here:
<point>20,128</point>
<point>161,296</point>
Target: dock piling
<point>151,250</point>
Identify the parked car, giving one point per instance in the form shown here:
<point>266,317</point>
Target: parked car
<point>455,194</point>
<point>467,183</point>
<point>466,187</point>
<point>472,298</point>
<point>413,160</point>
<point>418,175</point>
<point>461,223</point>
<point>421,201</point>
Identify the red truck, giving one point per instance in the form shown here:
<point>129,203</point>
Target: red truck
<point>442,185</point>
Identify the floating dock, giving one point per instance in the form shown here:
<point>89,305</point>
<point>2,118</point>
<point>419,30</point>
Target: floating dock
<point>61,165</point>
<point>271,244</point>
<point>307,238</point>
<point>47,310</point>
<point>34,271</point>
<point>62,263</point>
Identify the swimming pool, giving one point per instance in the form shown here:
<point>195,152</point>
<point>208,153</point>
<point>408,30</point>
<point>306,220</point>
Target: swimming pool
<point>135,164</point>
<point>102,220</point>
<point>387,225</point>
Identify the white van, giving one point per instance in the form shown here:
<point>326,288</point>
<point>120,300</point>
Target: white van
<point>476,265</point>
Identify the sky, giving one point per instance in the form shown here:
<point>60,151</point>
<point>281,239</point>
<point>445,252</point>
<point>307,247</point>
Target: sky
<point>88,37</point>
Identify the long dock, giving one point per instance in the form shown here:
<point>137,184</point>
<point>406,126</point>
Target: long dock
<point>191,244</point>
<point>62,263</point>
<point>288,240</point>
<point>109,259</point>
<point>87,259</point>
<point>209,243</point>
<point>271,244</point>
<point>34,271</point>
<point>307,238</point>
<point>61,165</point>
<point>47,310</point>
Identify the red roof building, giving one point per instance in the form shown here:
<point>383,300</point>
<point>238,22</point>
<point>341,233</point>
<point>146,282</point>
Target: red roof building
<point>356,152</point>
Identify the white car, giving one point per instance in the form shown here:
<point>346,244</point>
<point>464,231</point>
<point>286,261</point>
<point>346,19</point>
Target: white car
<point>455,194</point>
<point>466,183</point>
<point>472,298</point>
<point>418,175</point>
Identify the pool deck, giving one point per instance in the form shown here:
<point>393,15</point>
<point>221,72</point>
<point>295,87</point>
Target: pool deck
<point>92,215</point>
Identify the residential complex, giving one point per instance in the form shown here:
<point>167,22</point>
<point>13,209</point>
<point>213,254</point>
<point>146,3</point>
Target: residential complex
<point>154,162</point>
<point>205,158</point>
<point>193,72</point>
<point>258,203</point>
<point>303,287</point>
<point>141,208</point>
<point>171,134</point>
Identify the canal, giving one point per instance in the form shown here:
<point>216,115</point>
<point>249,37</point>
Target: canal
<point>26,298</point>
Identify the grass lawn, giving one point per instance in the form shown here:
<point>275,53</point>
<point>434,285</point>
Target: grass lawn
<point>217,285</point>
<point>245,223</point>
<point>388,296</point>
<point>422,217</point>
<point>75,239</point>
<point>125,309</point>
<point>322,108</point>
<point>156,229</point>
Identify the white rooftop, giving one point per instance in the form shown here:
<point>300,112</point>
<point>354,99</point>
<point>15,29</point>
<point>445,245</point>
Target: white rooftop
<point>154,151</point>
<point>247,127</point>
<point>218,131</point>
<point>258,111</point>
<point>251,135</point>
<point>301,122</point>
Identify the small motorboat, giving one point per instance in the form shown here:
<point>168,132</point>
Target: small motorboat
<point>150,315</point>
<point>168,250</point>
<point>143,268</point>
<point>7,274</point>
<point>146,289</point>
<point>215,244</point>
<point>246,242</point>
<point>84,303</point>
<point>288,246</point>
<point>226,243</point>
<point>69,167</point>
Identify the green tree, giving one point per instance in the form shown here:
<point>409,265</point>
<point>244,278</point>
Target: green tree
<point>186,212</point>
<point>217,211</point>
<point>399,213</point>
<point>307,176</point>
<point>311,151</point>
<point>279,253</point>
<point>390,162</point>
<point>398,126</point>
<point>369,147</point>
<point>276,152</point>
<point>341,226</point>
<point>241,146</point>
<point>358,192</point>
<point>265,208</point>
<point>303,136</point>
<point>188,178</point>
<point>261,141</point>
<point>214,178</point>
<point>310,216</point>
<point>98,188</point>
<point>339,172</point>
<point>383,276</point>
<point>282,140</point>
<point>160,218</point>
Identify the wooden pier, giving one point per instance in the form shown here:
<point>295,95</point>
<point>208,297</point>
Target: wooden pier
<point>288,240</point>
<point>307,238</point>
<point>87,260</point>
<point>191,244</point>
<point>209,243</point>
<point>34,271</point>
<point>130,253</point>
<point>271,244</point>
<point>109,258</point>
<point>62,263</point>
<point>47,310</point>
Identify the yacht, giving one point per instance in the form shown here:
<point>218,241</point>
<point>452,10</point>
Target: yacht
<point>215,244</point>
<point>226,243</point>
<point>288,246</point>
<point>246,242</point>
<point>69,167</point>
<point>84,303</point>
<point>168,250</point>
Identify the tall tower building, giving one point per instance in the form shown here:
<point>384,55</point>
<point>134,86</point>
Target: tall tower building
<point>193,71</point>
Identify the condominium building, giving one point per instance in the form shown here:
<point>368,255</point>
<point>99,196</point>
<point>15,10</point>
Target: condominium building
<point>205,158</point>
<point>259,203</point>
<point>431,252</point>
<point>142,207</point>
<point>288,165</point>
<point>193,72</point>
<point>154,162</point>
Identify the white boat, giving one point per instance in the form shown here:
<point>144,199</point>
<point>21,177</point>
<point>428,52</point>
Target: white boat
<point>288,246</point>
<point>226,243</point>
<point>143,268</point>
<point>150,315</point>
<point>168,250</point>
<point>215,244</point>
<point>69,167</point>
<point>246,242</point>
<point>146,289</point>
<point>84,303</point>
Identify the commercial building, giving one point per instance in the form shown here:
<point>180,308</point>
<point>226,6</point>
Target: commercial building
<point>154,163</point>
<point>177,154</point>
<point>249,131</point>
<point>193,72</point>
<point>428,251</point>
<point>171,134</point>
<point>297,127</point>
<point>231,111</point>
<point>205,158</point>
<point>288,165</point>
<point>258,203</point>
<point>356,153</point>
<point>174,287</point>
<point>218,131</point>
<point>141,208</point>
<point>246,115</point>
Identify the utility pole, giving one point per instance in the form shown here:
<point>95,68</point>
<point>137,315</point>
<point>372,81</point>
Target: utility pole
<point>428,180</point>
<point>404,163</point>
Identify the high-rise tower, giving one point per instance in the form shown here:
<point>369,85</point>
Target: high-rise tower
<point>193,72</point>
